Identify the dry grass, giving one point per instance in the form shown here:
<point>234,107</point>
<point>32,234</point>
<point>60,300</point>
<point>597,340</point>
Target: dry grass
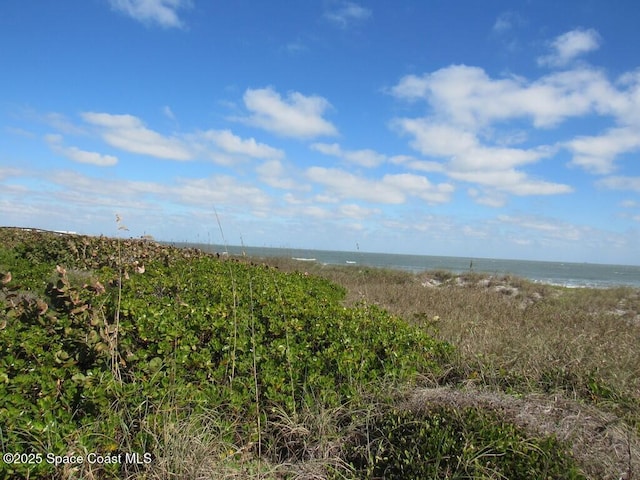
<point>605,447</point>
<point>555,360</point>
<point>207,446</point>
<point>308,444</point>
<point>509,325</point>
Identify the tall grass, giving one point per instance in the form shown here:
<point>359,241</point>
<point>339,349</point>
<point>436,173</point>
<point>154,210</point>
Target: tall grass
<point>511,327</point>
<point>571,355</point>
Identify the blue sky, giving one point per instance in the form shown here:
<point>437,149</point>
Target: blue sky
<point>503,129</point>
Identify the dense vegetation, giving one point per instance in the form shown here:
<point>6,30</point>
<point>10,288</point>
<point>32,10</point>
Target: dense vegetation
<point>227,368</point>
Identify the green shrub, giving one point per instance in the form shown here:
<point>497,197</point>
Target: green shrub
<point>91,366</point>
<point>453,444</point>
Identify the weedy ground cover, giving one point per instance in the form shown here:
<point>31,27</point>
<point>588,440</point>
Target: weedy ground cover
<point>228,368</point>
<point>121,332</point>
<point>569,356</point>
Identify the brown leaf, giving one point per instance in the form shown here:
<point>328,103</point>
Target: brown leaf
<point>99,288</point>
<point>61,270</point>
<point>6,278</point>
<point>42,307</point>
<point>80,309</point>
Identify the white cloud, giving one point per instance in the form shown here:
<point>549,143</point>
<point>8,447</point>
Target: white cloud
<point>160,12</point>
<point>470,161</point>
<point>421,187</point>
<point>571,45</point>
<point>357,212</point>
<point>294,48</point>
<point>391,189</point>
<point>316,212</point>
<point>596,154</point>
<point>61,123</point>
<point>365,158</point>
<point>82,191</point>
<point>463,129</point>
<point>343,184</point>
<point>327,148</point>
<point>223,147</point>
<point>626,105</point>
<point>130,134</point>
<point>416,164</point>
<point>325,198</point>
<point>166,110</point>
<point>83,156</point>
<point>620,183</point>
<point>502,24</point>
<point>510,181</point>
<point>488,198</point>
<point>347,13</point>
<point>78,155</point>
<point>507,21</point>
<point>550,228</point>
<point>205,193</point>
<point>8,172</point>
<point>297,116</point>
<point>467,96</point>
<point>437,139</point>
<point>233,144</point>
<point>274,174</point>
<point>219,190</point>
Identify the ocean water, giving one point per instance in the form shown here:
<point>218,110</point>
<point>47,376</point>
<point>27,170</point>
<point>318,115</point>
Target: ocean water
<point>556,273</point>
